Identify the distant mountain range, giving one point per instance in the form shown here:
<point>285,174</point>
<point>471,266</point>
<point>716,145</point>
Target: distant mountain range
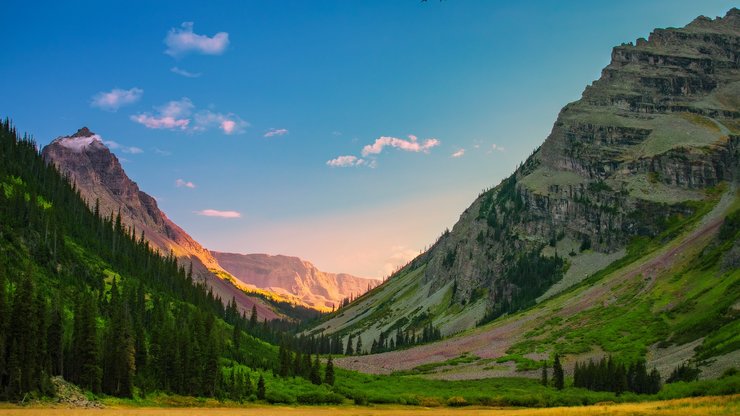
<point>291,276</point>
<point>101,180</point>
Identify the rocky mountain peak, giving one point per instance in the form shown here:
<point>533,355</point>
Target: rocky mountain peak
<point>101,180</point>
<point>83,132</point>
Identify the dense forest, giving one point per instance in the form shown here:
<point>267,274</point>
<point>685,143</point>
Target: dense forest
<point>86,298</point>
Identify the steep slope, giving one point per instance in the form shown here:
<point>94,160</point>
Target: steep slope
<point>292,276</point>
<point>646,145</point>
<point>672,299</point>
<point>100,178</point>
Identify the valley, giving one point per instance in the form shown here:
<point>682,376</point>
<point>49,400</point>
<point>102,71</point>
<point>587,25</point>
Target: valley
<point>601,275</point>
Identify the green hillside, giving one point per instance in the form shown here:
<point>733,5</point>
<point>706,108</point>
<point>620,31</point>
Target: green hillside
<point>84,298</point>
<point>643,154</point>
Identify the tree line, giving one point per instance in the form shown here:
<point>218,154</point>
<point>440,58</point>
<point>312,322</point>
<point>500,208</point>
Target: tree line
<point>84,297</point>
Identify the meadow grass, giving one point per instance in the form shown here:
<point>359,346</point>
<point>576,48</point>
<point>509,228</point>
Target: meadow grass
<point>696,406</point>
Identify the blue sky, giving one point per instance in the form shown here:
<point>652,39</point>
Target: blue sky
<point>242,109</point>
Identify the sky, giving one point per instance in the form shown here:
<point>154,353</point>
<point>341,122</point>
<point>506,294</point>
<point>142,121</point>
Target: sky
<point>348,133</point>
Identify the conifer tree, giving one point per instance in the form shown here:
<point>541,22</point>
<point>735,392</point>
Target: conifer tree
<point>543,378</point>
<point>315,376</point>
<point>558,376</point>
<point>329,373</point>
<point>55,337</point>
<point>350,350</point>
<point>261,388</point>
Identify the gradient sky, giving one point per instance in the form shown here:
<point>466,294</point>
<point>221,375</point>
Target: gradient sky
<point>239,112</point>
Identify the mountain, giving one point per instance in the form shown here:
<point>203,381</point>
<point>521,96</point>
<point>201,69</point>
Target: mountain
<point>99,177</point>
<point>618,235</point>
<point>291,276</point>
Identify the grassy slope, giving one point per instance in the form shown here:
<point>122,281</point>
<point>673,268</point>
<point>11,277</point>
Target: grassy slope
<point>668,290</point>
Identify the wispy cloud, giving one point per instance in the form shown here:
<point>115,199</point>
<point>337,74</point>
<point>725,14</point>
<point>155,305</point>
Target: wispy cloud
<point>181,115</point>
<point>410,145</point>
<point>181,41</point>
<point>276,132</point>
<point>346,161</point>
<point>219,214</point>
<point>125,149</point>
<point>228,123</point>
<point>181,183</point>
<point>173,115</point>
<point>185,73</point>
<point>459,153</point>
<point>116,98</point>
<point>162,152</point>
<point>497,148</point>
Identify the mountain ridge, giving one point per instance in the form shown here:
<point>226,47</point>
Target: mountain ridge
<point>649,144</point>
<point>102,182</point>
<point>290,275</point>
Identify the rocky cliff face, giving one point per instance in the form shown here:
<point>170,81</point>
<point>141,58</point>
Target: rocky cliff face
<point>656,131</point>
<point>659,125</point>
<point>98,175</point>
<point>292,276</point>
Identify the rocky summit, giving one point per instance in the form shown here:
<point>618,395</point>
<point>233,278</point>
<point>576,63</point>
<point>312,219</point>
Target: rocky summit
<point>99,177</point>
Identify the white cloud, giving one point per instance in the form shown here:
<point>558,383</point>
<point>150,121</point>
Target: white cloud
<point>180,183</point>
<point>181,41</point>
<point>185,73</point>
<point>173,115</point>
<point>410,145</point>
<point>346,161</point>
<point>228,123</point>
<point>496,148</point>
<point>219,214</point>
<point>276,132</point>
<point>459,153</point>
<point>116,98</point>
<point>125,149</point>
<point>181,115</point>
<point>162,152</point>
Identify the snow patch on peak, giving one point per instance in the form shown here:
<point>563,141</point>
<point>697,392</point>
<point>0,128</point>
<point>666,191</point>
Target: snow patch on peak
<point>80,143</point>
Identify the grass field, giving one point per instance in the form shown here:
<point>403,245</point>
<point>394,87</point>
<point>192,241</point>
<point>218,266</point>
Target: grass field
<point>717,405</point>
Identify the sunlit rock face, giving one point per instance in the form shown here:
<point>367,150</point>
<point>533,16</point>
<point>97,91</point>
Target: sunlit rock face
<point>98,175</point>
<point>294,277</point>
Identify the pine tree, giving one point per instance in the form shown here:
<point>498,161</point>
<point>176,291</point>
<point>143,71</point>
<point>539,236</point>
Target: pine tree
<point>3,325</point>
<point>261,388</point>
<point>55,337</point>
<point>22,335</point>
<point>329,373</point>
<point>86,371</point>
<point>349,350</point>
<point>558,376</point>
<point>253,318</point>
<point>315,376</point>
<point>543,378</point>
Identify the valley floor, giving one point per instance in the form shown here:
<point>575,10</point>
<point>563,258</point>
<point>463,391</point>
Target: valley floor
<point>715,405</point>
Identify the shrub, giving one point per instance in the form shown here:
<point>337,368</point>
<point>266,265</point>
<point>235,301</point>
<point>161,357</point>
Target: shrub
<point>279,397</point>
<point>457,401</point>
<point>360,399</point>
